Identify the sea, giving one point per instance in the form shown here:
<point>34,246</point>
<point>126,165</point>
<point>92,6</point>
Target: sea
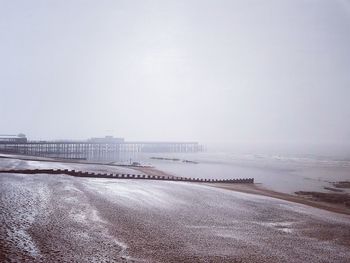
<point>282,169</point>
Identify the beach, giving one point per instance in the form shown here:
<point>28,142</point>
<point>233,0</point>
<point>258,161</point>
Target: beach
<point>59,218</point>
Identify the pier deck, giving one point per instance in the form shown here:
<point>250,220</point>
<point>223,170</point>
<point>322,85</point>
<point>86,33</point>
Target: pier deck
<point>94,150</point>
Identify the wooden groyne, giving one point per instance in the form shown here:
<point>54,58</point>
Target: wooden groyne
<point>126,176</point>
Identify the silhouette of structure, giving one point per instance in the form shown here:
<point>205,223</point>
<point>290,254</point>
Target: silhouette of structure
<point>6,138</point>
<point>108,148</point>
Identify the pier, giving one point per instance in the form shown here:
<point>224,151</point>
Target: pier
<point>107,148</point>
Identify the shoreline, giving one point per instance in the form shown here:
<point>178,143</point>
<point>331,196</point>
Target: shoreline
<point>55,160</point>
<point>244,188</point>
<point>258,190</point>
<point>255,189</point>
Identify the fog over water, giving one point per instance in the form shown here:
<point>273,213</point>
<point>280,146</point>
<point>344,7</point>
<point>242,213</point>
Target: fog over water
<point>268,75</point>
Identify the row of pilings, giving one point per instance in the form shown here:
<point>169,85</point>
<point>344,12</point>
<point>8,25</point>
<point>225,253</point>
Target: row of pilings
<point>126,176</point>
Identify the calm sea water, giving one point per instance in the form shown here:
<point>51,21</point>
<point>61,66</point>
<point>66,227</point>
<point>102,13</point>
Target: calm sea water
<point>284,173</point>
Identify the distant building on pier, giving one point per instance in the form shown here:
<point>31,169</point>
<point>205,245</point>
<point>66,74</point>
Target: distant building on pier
<point>6,138</point>
<point>106,139</point>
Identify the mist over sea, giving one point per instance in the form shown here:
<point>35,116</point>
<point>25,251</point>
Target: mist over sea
<point>283,169</point>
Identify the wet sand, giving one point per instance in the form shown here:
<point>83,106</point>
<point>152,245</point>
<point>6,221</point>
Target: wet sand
<point>305,200</point>
<point>59,218</point>
<point>258,189</point>
<point>27,161</point>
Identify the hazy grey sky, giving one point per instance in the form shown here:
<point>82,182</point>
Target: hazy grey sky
<point>258,71</point>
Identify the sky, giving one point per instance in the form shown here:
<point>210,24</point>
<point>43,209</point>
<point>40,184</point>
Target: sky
<point>273,71</point>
